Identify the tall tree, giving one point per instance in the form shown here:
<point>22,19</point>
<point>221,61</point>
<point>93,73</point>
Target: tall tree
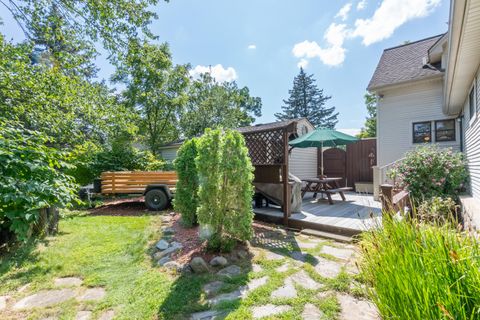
<point>156,88</point>
<point>212,104</point>
<point>307,100</point>
<point>370,128</point>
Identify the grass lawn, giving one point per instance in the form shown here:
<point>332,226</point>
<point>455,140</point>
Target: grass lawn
<point>114,252</point>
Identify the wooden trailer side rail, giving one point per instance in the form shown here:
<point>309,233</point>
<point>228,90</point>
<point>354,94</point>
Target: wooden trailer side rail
<point>135,182</point>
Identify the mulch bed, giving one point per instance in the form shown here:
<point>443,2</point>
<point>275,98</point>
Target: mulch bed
<point>122,207</point>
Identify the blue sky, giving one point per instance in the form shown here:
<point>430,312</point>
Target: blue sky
<point>261,43</point>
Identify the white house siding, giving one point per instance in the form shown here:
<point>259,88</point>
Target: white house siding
<point>169,154</point>
<point>303,161</point>
<point>472,142</point>
<point>399,108</point>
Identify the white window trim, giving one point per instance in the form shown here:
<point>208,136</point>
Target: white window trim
<point>473,118</point>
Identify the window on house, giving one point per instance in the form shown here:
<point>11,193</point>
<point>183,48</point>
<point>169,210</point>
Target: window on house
<point>471,103</point>
<point>422,132</point>
<point>445,130</point>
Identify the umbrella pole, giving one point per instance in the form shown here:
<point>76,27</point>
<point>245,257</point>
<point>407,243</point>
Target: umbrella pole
<point>321,155</point>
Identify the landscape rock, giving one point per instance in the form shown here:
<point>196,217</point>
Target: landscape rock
<point>230,271</point>
<point>68,282</point>
<point>83,315</point>
<point>93,294</point>
<point>162,245</point>
<point>339,253</point>
<point>45,298</point>
<point>218,261</point>
<point>174,247</point>
<point>168,230</point>
<point>355,309</point>
<point>208,315</point>
<point>241,254</point>
<point>303,280</point>
<point>172,265</point>
<point>107,315</point>
<point>3,302</point>
<point>311,312</point>
<point>199,265</point>
<point>212,288</point>
<point>269,310</point>
<point>327,268</point>
<point>163,260</point>
<point>286,291</point>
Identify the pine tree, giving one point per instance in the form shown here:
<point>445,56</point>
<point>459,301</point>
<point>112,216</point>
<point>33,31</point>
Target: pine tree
<point>307,101</point>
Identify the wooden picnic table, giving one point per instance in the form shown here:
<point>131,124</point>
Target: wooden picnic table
<point>326,186</point>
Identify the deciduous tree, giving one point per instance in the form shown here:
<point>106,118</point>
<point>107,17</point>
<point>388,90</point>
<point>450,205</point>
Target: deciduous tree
<point>370,129</point>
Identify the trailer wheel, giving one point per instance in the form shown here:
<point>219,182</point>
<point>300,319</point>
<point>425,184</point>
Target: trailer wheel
<point>156,199</point>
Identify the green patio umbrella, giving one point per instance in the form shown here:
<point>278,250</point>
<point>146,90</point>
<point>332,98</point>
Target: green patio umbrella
<point>322,137</point>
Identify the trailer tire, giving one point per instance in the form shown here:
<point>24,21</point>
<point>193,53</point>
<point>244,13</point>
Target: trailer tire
<point>156,199</point>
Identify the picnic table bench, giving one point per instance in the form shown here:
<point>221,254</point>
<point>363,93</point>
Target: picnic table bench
<point>327,186</point>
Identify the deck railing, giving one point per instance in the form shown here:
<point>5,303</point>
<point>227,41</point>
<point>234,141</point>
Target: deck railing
<point>380,177</point>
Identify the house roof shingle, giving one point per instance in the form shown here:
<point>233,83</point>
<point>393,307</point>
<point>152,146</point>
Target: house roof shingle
<point>404,63</point>
<point>267,126</point>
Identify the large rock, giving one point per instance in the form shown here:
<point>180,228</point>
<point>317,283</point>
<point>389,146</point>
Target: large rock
<point>354,309</point>
<point>212,288</point>
<point>162,245</point>
<point>168,230</point>
<point>230,271</point>
<point>268,310</point>
<point>198,265</point>
<point>172,265</point>
<point>45,299</point>
<point>174,247</point>
<point>218,261</point>
<point>163,260</point>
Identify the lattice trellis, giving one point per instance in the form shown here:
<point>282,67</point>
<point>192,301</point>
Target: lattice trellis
<point>266,147</point>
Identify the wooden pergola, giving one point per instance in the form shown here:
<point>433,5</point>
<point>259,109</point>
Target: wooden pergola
<point>268,150</point>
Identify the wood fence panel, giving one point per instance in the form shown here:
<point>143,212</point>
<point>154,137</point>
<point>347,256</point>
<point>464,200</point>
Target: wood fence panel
<point>361,157</point>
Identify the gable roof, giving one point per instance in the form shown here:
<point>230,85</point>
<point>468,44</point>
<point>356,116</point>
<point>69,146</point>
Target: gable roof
<point>269,126</point>
<point>405,63</point>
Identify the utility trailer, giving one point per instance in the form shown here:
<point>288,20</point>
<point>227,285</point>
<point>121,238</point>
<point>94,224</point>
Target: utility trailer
<point>158,187</point>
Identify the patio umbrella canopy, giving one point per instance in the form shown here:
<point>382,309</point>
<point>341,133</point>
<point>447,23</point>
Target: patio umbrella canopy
<point>320,138</point>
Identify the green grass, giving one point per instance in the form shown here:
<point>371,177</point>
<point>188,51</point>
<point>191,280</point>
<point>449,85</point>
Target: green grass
<point>422,272</point>
<point>106,251</point>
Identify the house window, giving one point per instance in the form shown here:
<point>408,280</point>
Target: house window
<point>422,132</point>
<point>471,103</point>
<point>445,130</point>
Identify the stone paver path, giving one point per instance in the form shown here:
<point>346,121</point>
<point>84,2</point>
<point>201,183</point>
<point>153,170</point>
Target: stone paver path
<point>355,309</point>
<point>286,291</point>
<point>83,315</point>
<point>338,253</point>
<point>327,268</point>
<point>311,312</point>
<point>302,279</point>
<point>3,302</point>
<point>92,294</point>
<point>45,299</point>
<point>68,282</point>
<point>107,315</point>
<point>268,310</point>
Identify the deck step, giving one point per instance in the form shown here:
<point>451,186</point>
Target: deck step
<point>328,235</point>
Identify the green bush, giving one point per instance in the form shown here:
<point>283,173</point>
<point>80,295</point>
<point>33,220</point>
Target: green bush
<point>437,211</point>
<point>422,272</point>
<point>429,172</point>
<point>90,160</point>
<point>30,178</point>
<point>186,198</point>
<point>225,188</point>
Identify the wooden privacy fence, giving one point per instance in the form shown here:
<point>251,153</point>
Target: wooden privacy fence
<point>131,182</point>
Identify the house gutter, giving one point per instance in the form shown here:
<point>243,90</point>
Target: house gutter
<point>455,37</point>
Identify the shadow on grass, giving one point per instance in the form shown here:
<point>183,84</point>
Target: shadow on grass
<point>282,242</point>
<point>125,207</point>
<point>187,297</point>
<point>17,257</point>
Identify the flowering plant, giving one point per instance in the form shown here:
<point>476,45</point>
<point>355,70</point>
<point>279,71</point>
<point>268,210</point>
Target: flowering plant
<point>429,171</point>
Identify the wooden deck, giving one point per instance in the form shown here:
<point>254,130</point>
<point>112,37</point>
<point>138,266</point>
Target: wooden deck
<point>359,213</point>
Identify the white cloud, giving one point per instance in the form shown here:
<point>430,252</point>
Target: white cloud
<point>350,131</point>
<point>343,12</point>
<point>333,54</point>
<point>252,47</point>
<point>303,63</point>
<point>361,4</point>
<point>389,16</point>
<point>220,73</point>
